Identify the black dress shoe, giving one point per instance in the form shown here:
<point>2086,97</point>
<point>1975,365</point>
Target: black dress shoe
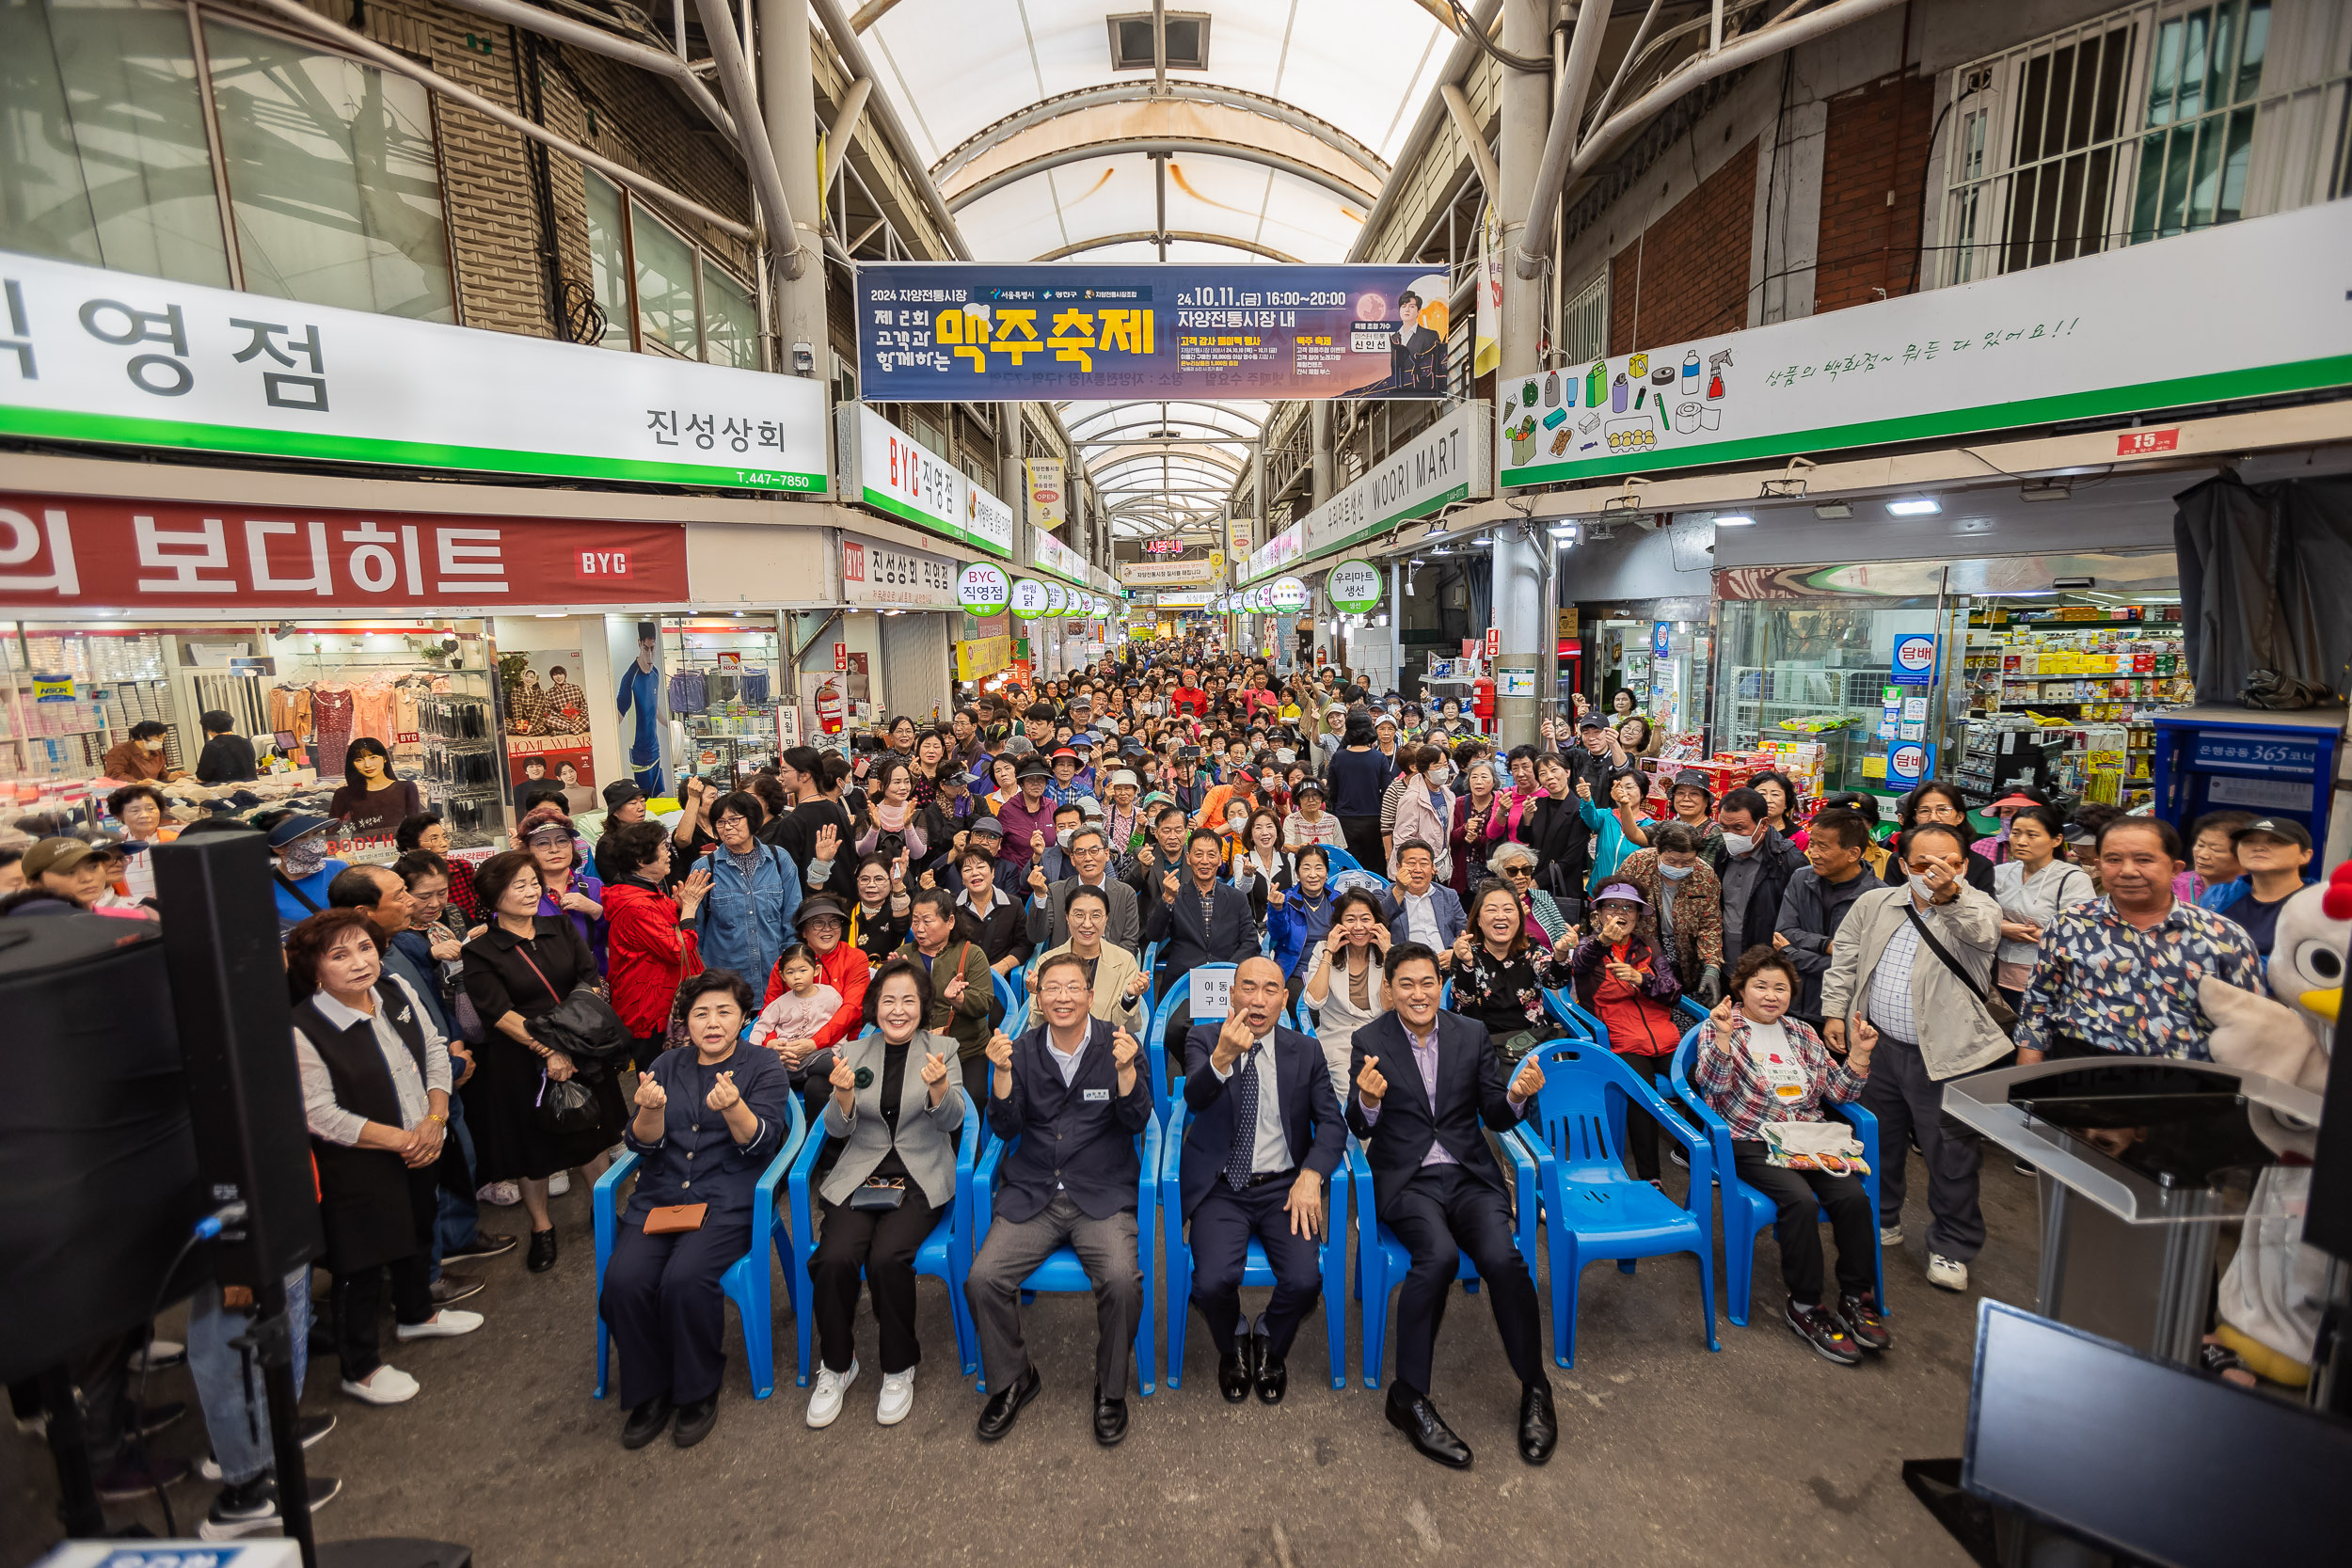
<point>694,1421</point>
<point>1003,1407</point>
<point>1232,1378</point>
<point>1417,1419</point>
<point>541,1257</point>
<point>1110,1420</point>
<point>646,1423</point>
<point>1274,1380</point>
<point>1539,1428</point>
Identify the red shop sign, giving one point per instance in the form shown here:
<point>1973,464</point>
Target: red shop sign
<point>58,551</point>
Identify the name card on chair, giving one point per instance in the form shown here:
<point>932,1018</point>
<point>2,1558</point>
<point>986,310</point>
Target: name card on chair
<point>1212,994</point>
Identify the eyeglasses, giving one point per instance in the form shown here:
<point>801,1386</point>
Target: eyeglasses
<point>1065,993</point>
<point>1518,871</point>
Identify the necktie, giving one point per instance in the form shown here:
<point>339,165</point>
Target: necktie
<point>1241,1155</point>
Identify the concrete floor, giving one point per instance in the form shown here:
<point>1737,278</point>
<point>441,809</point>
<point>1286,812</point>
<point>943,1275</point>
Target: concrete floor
<point>1668,1454</point>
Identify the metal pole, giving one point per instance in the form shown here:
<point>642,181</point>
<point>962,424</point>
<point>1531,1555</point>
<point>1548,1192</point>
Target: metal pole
<point>787,92</point>
<point>1396,622</point>
<point>1520,568</point>
<point>1325,462</point>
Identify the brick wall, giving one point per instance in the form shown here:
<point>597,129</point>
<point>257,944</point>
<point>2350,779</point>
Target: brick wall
<point>1874,161</point>
<point>1687,275</point>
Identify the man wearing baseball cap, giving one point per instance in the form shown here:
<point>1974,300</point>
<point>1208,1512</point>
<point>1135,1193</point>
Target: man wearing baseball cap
<point>2275,854</point>
<point>68,868</point>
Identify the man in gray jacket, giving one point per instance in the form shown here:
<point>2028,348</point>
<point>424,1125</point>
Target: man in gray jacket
<point>1932,1026</point>
<point>1818,899</point>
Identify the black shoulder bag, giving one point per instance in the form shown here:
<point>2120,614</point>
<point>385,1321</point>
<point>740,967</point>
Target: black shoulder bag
<point>2004,1017</point>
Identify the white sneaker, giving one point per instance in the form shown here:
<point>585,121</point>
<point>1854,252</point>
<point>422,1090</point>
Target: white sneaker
<point>1890,1235</point>
<point>1945,1274</point>
<point>503,1195</point>
<point>560,1184</point>
<point>824,1401</point>
<point>898,1398</point>
<point>157,1355</point>
<point>387,1385</point>
<point>445,1325</point>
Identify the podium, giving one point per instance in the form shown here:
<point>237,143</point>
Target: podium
<point>2141,1160</point>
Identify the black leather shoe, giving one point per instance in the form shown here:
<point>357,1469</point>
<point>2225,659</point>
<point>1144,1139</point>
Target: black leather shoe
<point>1232,1378</point>
<point>1274,1380</point>
<point>1539,1428</point>
<point>694,1421</point>
<point>1417,1419</point>
<point>646,1423</point>
<point>997,1415</point>
<point>541,1257</point>
<point>1110,1420</point>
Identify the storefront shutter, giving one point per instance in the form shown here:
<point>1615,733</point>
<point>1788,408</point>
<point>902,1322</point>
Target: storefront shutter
<point>914,665</point>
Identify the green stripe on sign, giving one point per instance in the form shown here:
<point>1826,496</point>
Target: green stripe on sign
<point>2220,386</point>
<point>127,429</point>
<point>883,501</point>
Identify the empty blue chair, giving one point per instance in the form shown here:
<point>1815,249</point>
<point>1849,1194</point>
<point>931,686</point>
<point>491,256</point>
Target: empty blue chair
<point>945,1254</point>
<point>1593,1208</point>
<point>1061,1271</point>
<point>746,1283</point>
<point>1747,1212</point>
<point>1382,1261</point>
<point>1255,1271</point>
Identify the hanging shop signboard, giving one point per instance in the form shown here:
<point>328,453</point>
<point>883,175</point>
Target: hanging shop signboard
<point>1056,599</point>
<point>878,574</point>
<point>1915,659</point>
<point>1444,464</point>
<point>1276,553</point>
<point>1353,587</point>
<point>62,551</point>
<point>1049,554</point>
<point>1028,598</point>
<point>937,331</point>
<point>891,471</point>
<point>91,354</point>
<point>1167,574</point>
<point>2060,342</point>
<point>1049,494</point>
<point>983,589</point>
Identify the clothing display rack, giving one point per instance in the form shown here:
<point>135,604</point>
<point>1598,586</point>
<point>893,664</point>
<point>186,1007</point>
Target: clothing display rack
<point>463,764</point>
<point>723,691</point>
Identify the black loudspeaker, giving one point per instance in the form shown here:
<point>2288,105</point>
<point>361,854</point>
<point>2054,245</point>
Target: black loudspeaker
<point>97,1154</point>
<point>227,977</point>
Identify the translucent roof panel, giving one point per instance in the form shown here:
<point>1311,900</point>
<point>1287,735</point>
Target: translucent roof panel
<point>1116,194</point>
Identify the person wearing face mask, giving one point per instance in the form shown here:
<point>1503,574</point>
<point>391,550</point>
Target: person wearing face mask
<point>1237,795</point>
<point>1684,909</point>
<point>1422,811</point>
<point>304,868</point>
<point>1754,863</point>
<point>1917,959</point>
<point>1818,896</point>
<point>1939,804</point>
<point>139,759</point>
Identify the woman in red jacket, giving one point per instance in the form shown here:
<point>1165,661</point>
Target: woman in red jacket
<point>824,925</point>
<point>650,938</point>
<point>1624,981</point>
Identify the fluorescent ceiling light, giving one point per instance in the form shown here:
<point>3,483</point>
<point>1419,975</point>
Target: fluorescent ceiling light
<point>1917,506</point>
<point>1734,519</point>
<point>1832,512</point>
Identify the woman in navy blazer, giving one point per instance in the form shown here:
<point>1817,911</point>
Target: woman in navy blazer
<point>1235,1182</point>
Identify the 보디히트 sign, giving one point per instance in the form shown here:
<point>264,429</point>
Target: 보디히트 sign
<point>89,354</point>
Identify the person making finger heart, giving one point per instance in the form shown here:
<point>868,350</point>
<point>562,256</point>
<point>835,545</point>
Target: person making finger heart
<point>895,1103</point>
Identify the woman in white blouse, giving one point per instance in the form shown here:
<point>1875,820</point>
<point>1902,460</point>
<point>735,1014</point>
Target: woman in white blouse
<point>2031,886</point>
<point>375,1084</point>
<point>1346,982</point>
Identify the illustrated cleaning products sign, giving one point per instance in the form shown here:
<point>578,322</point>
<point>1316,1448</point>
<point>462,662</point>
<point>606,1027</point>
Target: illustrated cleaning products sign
<point>89,354</point>
<point>2105,334</point>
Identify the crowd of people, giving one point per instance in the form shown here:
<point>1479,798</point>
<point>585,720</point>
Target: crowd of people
<point>842,930</point>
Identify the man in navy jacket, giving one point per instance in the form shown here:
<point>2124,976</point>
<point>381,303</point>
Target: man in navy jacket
<point>1202,918</point>
<point>1418,899</point>
<point>1265,1132</point>
<point>1070,1091</point>
<point>1422,1082</point>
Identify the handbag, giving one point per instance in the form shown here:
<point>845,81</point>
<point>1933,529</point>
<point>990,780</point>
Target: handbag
<point>2004,1017</point>
<point>564,1106</point>
<point>582,1026</point>
<point>671,1218</point>
<point>871,1195</point>
<point>1828,1147</point>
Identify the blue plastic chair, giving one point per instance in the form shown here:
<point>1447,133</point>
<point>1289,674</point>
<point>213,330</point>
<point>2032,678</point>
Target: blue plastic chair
<point>1382,1261</point>
<point>945,1254</point>
<point>1747,1212</point>
<point>1255,1269</point>
<point>1342,861</point>
<point>1593,1208</point>
<point>1061,1271</point>
<point>1155,1038</point>
<point>1016,1003</point>
<point>745,1283</point>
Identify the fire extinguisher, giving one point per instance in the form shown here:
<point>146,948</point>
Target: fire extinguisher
<point>828,708</point>
<point>1483,702</point>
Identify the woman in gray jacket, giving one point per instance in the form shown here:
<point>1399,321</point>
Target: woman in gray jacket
<point>1915,960</point>
<point>898,1101</point>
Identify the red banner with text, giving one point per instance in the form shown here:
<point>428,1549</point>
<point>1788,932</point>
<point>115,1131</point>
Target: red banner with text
<point>58,552</point>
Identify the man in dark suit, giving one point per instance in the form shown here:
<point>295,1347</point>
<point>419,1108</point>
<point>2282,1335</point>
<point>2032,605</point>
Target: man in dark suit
<point>1091,858</point>
<point>1070,1091</point>
<point>1201,917</point>
<point>1259,1094</point>
<point>1420,909</point>
<point>1162,847</point>
<point>1422,1082</point>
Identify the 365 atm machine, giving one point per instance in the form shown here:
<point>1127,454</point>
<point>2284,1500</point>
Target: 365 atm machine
<point>2270,764</point>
